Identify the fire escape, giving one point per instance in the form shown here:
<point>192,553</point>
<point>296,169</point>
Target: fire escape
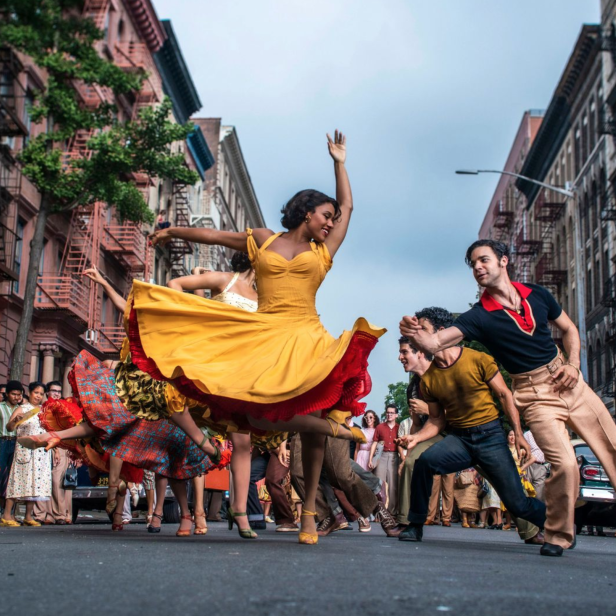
<point>178,248</point>
<point>502,223</point>
<point>526,250</point>
<point>548,271</point>
<point>90,230</point>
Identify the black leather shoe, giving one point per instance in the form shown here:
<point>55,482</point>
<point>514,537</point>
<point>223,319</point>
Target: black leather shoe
<point>413,532</point>
<point>550,549</point>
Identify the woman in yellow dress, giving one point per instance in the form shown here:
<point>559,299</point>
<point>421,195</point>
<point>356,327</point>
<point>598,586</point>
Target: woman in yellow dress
<point>277,368</point>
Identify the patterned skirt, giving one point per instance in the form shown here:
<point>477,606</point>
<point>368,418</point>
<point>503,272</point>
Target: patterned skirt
<point>158,446</point>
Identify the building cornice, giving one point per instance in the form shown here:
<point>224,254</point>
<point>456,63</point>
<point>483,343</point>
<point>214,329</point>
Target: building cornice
<point>558,120</point>
<point>235,159</point>
<point>145,19</point>
<point>204,159</point>
<point>177,82</point>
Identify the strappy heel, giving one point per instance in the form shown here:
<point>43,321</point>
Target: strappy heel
<point>155,529</point>
<point>112,503</point>
<point>203,530</point>
<point>117,527</point>
<point>337,419</point>
<point>51,441</point>
<point>216,457</point>
<point>308,538</point>
<point>245,533</point>
<point>184,533</point>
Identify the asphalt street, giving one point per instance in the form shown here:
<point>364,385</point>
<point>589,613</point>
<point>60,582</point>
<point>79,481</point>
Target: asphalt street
<point>88,569</point>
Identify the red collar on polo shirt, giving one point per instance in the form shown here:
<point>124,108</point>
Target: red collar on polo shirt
<point>527,322</point>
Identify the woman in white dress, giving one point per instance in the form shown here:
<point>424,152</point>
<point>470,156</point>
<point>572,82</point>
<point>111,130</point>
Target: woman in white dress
<point>30,478</point>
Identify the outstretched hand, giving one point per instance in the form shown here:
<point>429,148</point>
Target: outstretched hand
<point>93,274</point>
<point>160,237</point>
<point>337,147</point>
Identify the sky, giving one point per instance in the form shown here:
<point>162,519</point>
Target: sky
<point>420,87</point>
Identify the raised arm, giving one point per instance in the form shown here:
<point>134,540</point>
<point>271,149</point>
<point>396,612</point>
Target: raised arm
<point>214,281</point>
<point>116,299</point>
<point>236,240</point>
<point>337,150</point>
<point>427,342</point>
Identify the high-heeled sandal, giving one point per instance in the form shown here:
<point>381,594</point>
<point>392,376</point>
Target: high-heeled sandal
<point>245,533</point>
<point>117,527</point>
<point>184,533</point>
<point>200,530</point>
<point>155,529</point>
<point>215,458</point>
<point>337,419</point>
<point>111,504</point>
<point>308,538</point>
<point>51,441</point>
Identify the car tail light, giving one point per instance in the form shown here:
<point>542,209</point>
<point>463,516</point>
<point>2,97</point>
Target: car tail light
<point>592,473</point>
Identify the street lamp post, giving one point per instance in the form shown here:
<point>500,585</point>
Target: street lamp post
<point>580,282</point>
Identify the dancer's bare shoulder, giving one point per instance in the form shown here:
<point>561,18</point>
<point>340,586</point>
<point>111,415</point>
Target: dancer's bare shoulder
<point>261,235</point>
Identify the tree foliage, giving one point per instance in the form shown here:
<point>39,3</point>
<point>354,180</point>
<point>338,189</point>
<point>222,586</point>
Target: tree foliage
<point>63,43</point>
<point>396,394</point>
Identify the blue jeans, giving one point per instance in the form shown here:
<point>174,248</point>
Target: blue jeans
<point>484,446</point>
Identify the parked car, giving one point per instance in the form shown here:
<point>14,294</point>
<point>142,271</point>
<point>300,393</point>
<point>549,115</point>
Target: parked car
<point>88,497</point>
<point>596,505</point>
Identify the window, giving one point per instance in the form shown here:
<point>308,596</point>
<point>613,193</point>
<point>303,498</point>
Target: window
<point>577,153</point>
<point>591,367</point>
<point>589,290</point>
<point>597,273</point>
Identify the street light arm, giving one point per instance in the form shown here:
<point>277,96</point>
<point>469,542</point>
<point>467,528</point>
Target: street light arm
<point>557,189</point>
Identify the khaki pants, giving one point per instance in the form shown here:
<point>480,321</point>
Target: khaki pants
<point>60,507</point>
<point>404,492</point>
<point>444,484</point>
<point>548,413</point>
<point>537,474</point>
<point>387,471</point>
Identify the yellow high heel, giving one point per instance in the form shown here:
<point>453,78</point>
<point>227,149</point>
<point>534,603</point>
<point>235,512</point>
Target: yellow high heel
<point>337,419</point>
<point>308,538</point>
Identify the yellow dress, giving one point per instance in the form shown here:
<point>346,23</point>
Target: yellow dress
<point>274,363</point>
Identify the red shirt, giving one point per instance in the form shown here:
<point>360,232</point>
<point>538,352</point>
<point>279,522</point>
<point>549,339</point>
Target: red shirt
<point>386,434</point>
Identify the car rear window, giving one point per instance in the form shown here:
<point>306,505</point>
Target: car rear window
<point>584,450</point>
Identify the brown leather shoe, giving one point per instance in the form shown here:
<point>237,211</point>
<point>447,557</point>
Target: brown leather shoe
<point>446,523</point>
<point>395,532</point>
<point>388,522</point>
<point>538,539</point>
<point>331,524</point>
<point>430,523</point>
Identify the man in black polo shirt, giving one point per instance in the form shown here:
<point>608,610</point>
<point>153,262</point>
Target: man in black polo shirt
<point>512,320</point>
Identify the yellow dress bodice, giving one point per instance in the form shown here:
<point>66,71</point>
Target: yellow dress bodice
<point>288,288</point>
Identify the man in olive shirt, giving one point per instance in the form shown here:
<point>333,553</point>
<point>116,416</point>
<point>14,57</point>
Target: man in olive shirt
<point>458,388</point>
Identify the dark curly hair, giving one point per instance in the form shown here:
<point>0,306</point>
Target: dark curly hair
<point>240,262</point>
<point>498,248</point>
<point>364,423</point>
<point>439,317</point>
<point>305,202</point>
